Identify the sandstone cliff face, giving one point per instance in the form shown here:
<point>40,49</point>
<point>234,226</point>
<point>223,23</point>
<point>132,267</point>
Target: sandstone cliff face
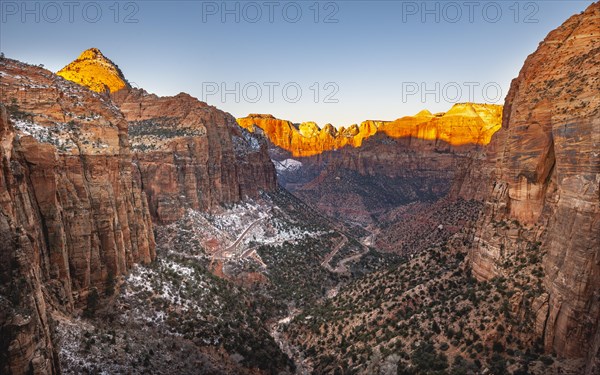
<point>358,173</point>
<point>26,343</point>
<point>73,209</point>
<point>359,184</point>
<point>546,182</point>
<point>71,215</point>
<point>464,124</point>
<point>307,139</point>
<point>192,155</point>
<point>187,154</point>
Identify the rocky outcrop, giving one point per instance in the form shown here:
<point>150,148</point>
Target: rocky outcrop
<point>72,217</point>
<point>307,139</point>
<point>187,154</point>
<point>93,70</point>
<point>546,184</point>
<point>192,155</point>
<point>464,124</point>
<point>74,212</point>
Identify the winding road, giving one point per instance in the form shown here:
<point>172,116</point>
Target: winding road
<point>220,254</point>
<point>335,250</point>
<point>341,267</point>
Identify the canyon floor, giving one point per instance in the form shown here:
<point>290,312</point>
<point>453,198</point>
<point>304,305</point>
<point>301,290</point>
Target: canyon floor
<point>216,296</point>
<point>271,286</point>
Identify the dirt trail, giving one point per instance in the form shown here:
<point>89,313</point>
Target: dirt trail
<point>341,268</point>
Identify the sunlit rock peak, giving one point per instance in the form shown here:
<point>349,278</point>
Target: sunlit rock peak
<point>463,124</point>
<point>94,71</point>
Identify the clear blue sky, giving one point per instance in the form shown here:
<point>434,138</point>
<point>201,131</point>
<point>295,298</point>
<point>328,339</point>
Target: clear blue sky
<point>378,56</point>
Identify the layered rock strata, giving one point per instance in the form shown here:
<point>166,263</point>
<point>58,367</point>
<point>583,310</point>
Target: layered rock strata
<point>545,185</point>
<point>464,124</point>
<point>192,155</point>
<point>358,173</point>
<point>72,217</point>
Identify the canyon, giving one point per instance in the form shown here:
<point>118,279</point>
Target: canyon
<point>382,165</point>
<point>80,194</point>
<point>142,233</point>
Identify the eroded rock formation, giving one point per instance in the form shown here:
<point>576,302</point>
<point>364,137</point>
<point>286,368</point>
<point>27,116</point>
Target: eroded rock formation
<point>356,174</point>
<point>187,154</point>
<point>545,186</point>
<point>93,70</point>
<point>192,155</point>
<point>72,217</point>
<point>464,124</point>
<point>24,322</point>
<point>74,212</point>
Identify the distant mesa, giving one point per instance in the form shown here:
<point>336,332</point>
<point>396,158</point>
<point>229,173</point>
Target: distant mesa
<point>463,124</point>
<point>95,71</point>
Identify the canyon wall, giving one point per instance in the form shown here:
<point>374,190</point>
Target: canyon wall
<point>358,173</point>
<point>73,218</point>
<point>77,203</point>
<point>359,184</point>
<point>25,342</point>
<point>187,154</point>
<point>463,124</point>
<point>545,185</point>
<point>192,155</point>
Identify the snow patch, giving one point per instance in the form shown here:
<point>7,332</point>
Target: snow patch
<point>57,135</point>
<point>246,144</point>
<point>288,165</point>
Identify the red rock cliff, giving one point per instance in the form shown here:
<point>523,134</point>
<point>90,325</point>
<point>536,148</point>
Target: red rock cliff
<point>73,207</point>
<point>464,124</point>
<point>192,155</point>
<point>546,181</point>
<point>187,154</point>
<point>360,172</point>
<point>71,216</point>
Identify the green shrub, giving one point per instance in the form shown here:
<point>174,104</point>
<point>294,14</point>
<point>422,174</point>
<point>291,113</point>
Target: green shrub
<point>93,300</point>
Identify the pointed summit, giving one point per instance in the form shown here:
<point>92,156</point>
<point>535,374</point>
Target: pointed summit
<point>424,113</point>
<point>95,71</point>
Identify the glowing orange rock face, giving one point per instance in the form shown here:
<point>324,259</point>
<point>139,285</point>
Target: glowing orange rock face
<point>464,124</point>
<point>307,139</point>
<point>94,71</point>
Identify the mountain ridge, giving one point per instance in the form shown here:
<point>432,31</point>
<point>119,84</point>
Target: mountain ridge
<point>79,202</point>
<point>463,124</point>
